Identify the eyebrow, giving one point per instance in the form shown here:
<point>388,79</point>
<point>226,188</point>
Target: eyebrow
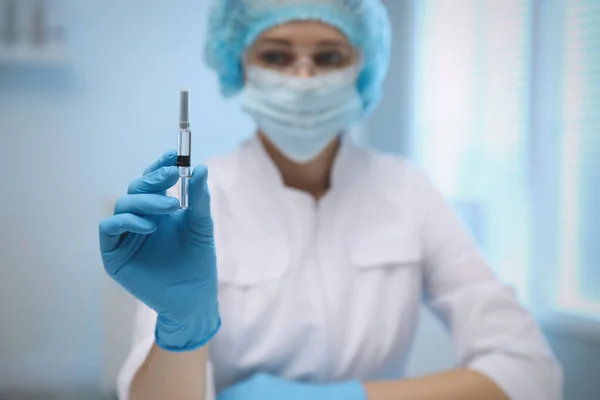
<point>331,43</point>
<point>281,42</point>
<point>287,43</point>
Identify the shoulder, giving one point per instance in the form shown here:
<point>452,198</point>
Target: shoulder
<point>239,165</point>
<point>394,172</point>
<point>222,169</point>
<point>395,186</point>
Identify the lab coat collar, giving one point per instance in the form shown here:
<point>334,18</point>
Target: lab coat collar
<point>345,171</point>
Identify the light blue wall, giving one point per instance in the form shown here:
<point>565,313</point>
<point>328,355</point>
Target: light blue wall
<point>72,138</point>
<point>390,127</point>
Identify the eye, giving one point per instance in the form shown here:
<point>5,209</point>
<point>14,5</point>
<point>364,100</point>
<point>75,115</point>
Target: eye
<point>330,59</point>
<point>277,58</point>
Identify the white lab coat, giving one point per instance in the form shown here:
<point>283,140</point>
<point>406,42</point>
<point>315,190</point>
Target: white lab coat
<point>330,290</point>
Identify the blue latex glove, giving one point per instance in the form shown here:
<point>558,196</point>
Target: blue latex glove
<point>165,256</point>
<point>268,387</point>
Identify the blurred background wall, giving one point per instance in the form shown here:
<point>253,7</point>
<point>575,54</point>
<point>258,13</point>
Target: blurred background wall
<point>77,124</point>
<point>74,131</point>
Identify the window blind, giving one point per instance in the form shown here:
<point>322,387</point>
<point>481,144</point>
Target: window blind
<point>472,118</point>
<point>579,275</point>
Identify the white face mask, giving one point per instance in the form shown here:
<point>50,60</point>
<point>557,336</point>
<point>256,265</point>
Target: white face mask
<point>301,116</point>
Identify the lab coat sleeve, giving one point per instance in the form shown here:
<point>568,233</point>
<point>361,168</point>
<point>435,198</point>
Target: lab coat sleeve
<point>143,339</point>
<point>493,334</point>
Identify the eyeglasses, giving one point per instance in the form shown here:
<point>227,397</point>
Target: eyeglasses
<point>302,61</point>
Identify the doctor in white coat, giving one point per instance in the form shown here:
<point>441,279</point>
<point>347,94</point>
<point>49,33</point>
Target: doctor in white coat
<point>299,270</point>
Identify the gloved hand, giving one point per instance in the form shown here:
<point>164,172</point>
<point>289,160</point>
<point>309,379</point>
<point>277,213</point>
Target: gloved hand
<point>165,256</point>
<point>268,387</point>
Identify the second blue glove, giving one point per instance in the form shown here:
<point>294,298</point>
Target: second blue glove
<point>269,387</point>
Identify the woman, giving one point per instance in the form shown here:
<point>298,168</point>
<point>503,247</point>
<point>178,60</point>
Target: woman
<point>324,250</point>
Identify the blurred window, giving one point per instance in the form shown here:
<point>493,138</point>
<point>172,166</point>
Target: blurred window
<point>508,125</point>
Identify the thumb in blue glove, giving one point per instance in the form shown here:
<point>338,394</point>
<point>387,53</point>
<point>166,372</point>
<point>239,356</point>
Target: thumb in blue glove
<point>165,256</point>
<point>268,387</point>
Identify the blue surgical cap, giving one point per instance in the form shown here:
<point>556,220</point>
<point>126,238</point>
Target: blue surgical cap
<point>234,25</point>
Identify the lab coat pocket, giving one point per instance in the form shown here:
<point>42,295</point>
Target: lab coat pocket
<point>386,246</point>
<point>255,262</point>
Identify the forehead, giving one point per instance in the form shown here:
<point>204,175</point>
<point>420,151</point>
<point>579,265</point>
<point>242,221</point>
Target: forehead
<point>304,33</point>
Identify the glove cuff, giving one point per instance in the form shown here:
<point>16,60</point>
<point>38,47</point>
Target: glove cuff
<point>186,336</point>
<point>349,390</point>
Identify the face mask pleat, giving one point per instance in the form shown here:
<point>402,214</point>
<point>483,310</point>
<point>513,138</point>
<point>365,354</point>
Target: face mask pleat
<point>302,115</point>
